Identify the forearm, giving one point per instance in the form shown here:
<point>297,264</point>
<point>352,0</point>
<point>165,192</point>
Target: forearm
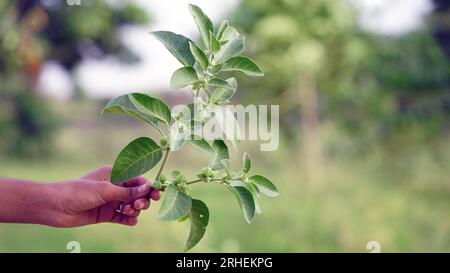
<point>27,202</point>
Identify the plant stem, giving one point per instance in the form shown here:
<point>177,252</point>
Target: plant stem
<point>201,180</point>
<point>160,131</point>
<point>166,155</point>
<point>194,181</point>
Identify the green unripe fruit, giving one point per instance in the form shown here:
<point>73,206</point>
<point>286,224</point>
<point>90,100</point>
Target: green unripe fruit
<point>206,172</point>
<point>179,179</point>
<point>209,172</point>
<point>175,174</point>
<point>182,187</point>
<point>157,185</point>
<point>162,178</point>
<point>164,142</point>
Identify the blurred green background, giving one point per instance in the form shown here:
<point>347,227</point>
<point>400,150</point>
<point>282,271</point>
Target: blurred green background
<point>364,152</point>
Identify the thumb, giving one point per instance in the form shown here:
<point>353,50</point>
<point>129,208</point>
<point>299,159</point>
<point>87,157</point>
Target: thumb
<point>117,193</point>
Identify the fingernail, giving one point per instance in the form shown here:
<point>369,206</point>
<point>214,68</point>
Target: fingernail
<point>143,188</point>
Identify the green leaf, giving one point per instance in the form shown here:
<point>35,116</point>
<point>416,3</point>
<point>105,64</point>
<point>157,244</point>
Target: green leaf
<point>123,105</point>
<point>177,44</point>
<point>236,183</point>
<point>214,44</point>
<point>176,204</point>
<point>223,95</point>
<point>244,65</point>
<point>199,217</point>
<point>222,28</point>
<point>137,158</point>
<point>204,24</point>
<point>184,218</point>
<point>233,47</point>
<point>220,152</point>
<point>201,144</point>
<point>264,185</point>
<point>217,82</point>
<point>151,106</point>
<point>245,200</point>
<point>247,164</point>
<point>199,55</point>
<point>183,77</point>
<point>254,188</point>
<point>255,192</point>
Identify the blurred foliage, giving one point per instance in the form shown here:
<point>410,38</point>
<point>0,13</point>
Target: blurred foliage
<point>316,38</point>
<point>375,87</point>
<point>412,78</point>
<point>35,31</point>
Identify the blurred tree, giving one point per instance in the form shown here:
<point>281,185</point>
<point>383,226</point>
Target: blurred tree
<point>308,49</point>
<point>439,22</point>
<point>34,31</point>
<point>412,86</point>
<point>412,74</point>
<point>318,61</point>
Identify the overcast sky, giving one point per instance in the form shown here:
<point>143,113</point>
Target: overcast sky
<point>109,78</point>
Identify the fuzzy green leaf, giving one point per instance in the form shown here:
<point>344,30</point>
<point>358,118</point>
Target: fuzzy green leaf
<point>245,200</point>
<point>244,65</point>
<point>204,24</point>
<point>201,144</point>
<point>214,44</point>
<point>151,106</point>
<point>199,218</point>
<point>137,158</point>
<point>123,105</point>
<point>176,204</point>
<point>199,55</point>
<point>255,192</point>
<point>255,188</point>
<point>233,47</point>
<point>220,152</point>
<point>264,185</point>
<point>183,77</point>
<point>222,28</point>
<point>217,82</point>
<point>177,44</point>
<point>223,95</point>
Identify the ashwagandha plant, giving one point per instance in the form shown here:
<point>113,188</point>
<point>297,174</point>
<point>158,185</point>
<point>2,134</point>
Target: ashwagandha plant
<point>219,51</point>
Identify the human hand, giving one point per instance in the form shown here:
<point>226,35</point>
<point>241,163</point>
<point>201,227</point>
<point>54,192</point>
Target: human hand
<point>94,199</point>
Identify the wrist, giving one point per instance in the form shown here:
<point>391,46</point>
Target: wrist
<point>28,202</point>
<point>50,212</point>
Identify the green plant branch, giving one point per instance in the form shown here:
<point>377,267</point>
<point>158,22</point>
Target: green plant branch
<point>201,180</point>
<point>160,131</point>
<point>194,181</point>
<point>161,168</point>
<point>228,48</point>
